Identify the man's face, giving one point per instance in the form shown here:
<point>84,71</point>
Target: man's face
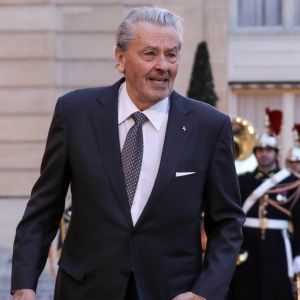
<point>266,157</point>
<point>150,63</point>
<point>294,166</point>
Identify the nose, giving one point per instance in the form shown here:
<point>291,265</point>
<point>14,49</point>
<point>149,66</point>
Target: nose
<point>162,63</point>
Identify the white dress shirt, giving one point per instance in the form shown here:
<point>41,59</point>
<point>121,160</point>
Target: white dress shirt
<point>153,134</point>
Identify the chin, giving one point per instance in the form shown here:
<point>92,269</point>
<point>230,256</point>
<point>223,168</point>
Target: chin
<point>161,95</point>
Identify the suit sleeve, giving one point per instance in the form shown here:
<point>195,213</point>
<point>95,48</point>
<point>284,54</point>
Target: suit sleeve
<point>44,210</point>
<point>223,220</point>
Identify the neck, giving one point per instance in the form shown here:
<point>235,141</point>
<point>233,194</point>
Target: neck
<point>141,106</point>
<point>267,169</point>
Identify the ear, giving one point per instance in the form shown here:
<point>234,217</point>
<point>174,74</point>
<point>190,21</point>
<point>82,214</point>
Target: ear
<point>120,58</point>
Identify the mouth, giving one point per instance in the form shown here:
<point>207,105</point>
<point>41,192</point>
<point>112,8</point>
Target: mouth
<point>158,79</point>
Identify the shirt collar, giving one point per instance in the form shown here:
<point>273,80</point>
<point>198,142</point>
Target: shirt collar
<point>155,113</point>
<point>261,174</point>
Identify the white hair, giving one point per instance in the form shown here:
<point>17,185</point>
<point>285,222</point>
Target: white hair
<point>154,15</point>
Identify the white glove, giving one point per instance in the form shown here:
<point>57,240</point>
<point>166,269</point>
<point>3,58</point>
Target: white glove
<point>296,264</point>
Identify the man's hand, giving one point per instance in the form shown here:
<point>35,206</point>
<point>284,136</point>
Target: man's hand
<point>188,296</point>
<point>24,294</point>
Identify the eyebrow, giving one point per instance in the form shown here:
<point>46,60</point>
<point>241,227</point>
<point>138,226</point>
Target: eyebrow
<point>174,48</point>
<point>155,48</point>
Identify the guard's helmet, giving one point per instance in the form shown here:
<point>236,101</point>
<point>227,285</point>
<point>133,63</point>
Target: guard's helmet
<point>273,121</point>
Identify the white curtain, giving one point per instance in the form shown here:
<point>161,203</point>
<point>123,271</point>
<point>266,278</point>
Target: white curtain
<point>297,12</point>
<point>252,107</point>
<point>255,13</point>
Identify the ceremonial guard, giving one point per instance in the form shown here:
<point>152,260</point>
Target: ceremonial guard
<point>272,228</point>
<point>63,228</point>
<point>293,155</point>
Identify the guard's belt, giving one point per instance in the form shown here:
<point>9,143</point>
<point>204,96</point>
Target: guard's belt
<point>268,223</point>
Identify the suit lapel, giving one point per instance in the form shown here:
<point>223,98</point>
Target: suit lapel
<point>179,129</point>
<point>105,120</point>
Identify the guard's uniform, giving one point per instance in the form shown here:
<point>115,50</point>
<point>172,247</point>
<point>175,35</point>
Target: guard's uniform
<point>265,274</point>
<point>63,228</point>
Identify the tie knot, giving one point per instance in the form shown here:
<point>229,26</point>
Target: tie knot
<point>139,118</point>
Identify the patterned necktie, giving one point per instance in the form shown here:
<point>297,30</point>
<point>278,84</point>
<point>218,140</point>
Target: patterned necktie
<point>132,154</point>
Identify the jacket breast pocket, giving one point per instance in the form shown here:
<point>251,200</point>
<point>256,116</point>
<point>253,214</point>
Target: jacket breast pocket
<point>186,191</point>
<point>192,178</point>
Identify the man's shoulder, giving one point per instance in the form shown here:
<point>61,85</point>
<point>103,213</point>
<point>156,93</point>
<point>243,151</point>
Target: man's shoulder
<point>84,94</point>
<point>245,177</point>
<point>291,178</point>
<point>200,108</point>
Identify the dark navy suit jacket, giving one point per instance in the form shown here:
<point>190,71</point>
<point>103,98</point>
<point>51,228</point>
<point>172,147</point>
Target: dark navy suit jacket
<point>102,246</point>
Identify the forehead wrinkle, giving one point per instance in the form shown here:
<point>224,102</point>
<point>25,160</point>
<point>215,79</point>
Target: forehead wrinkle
<point>157,44</point>
<point>143,33</point>
<point>156,36</point>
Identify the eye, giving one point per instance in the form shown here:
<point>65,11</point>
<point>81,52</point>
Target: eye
<point>149,53</point>
<point>172,56</point>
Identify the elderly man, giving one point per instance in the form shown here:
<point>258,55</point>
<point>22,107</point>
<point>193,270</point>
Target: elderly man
<point>142,162</point>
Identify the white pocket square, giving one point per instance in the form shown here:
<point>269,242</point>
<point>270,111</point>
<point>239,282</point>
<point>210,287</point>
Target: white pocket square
<point>178,174</point>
